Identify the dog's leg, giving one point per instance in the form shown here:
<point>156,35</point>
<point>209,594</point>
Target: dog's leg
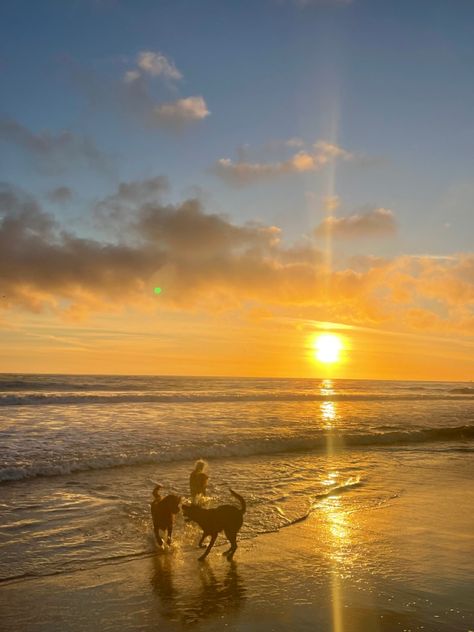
<point>201,541</point>
<point>158,537</point>
<point>170,531</point>
<point>232,537</point>
<point>209,547</point>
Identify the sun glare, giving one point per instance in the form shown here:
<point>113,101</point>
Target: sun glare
<point>327,348</point>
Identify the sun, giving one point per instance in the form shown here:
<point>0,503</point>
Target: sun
<point>327,348</point>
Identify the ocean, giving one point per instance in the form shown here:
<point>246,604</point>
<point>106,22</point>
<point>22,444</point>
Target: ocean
<point>79,456</point>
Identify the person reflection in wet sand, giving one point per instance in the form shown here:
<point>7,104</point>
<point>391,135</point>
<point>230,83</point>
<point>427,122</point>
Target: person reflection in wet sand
<point>202,595</point>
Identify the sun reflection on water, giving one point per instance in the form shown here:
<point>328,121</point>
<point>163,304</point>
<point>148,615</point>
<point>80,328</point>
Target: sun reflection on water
<point>328,414</point>
<point>331,479</point>
<point>331,507</point>
<point>338,540</point>
<point>337,522</point>
<point>327,388</point>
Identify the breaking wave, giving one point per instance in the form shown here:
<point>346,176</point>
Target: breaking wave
<point>32,399</point>
<point>317,441</point>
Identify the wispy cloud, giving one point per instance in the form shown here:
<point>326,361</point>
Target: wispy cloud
<point>378,222</point>
<point>173,113</point>
<point>331,202</point>
<point>154,64</point>
<point>182,111</point>
<point>60,195</point>
<point>135,95</point>
<point>305,160</point>
<point>52,153</point>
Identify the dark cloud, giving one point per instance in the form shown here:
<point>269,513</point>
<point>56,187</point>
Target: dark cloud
<point>189,232</point>
<point>53,153</point>
<point>41,263</point>
<point>139,191</point>
<point>60,195</point>
<point>128,197</point>
<point>206,260</point>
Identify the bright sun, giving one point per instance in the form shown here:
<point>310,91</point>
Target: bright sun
<point>327,348</point>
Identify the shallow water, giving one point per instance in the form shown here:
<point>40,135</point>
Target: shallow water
<point>77,475</point>
<point>402,563</point>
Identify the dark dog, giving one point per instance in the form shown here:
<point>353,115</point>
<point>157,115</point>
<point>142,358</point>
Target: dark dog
<point>227,518</point>
<point>163,511</point>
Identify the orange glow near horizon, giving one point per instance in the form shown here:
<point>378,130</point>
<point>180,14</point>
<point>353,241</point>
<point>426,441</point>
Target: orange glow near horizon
<point>251,345</point>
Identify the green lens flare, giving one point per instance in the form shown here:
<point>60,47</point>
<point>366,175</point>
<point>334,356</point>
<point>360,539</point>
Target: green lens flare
<point>157,290</point>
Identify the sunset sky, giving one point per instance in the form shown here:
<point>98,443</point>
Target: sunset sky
<point>279,168</point>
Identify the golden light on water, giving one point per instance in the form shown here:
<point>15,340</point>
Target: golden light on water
<point>328,414</point>
<point>328,348</point>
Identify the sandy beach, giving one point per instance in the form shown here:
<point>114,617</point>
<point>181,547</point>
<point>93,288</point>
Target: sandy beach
<point>401,566</point>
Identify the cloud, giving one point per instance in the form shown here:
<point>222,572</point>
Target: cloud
<point>53,153</point>
<point>294,142</point>
<point>181,111</point>
<point>131,75</point>
<point>379,222</point>
<point>113,210</point>
<point>60,195</point>
<point>134,96</point>
<point>141,190</point>
<point>156,65</point>
<point>306,160</point>
<point>331,202</point>
<point>190,233</point>
<point>206,260</point>
<point>42,264</point>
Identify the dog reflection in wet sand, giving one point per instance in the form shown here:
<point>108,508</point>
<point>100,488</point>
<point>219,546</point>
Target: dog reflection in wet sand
<point>215,594</point>
<point>226,518</point>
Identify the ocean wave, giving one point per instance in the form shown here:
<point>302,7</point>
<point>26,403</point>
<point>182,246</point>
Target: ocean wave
<point>62,399</point>
<point>241,448</point>
<point>52,385</point>
<point>467,390</point>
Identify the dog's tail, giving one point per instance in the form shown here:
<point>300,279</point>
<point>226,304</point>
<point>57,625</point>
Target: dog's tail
<point>243,505</point>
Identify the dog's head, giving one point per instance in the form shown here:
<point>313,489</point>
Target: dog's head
<point>191,512</point>
<point>156,492</point>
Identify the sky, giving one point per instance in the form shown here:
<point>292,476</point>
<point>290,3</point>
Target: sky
<point>279,168</point>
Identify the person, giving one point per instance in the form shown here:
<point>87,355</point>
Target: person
<point>198,480</point>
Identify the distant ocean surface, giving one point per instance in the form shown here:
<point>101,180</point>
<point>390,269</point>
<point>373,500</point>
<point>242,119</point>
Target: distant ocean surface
<point>79,455</point>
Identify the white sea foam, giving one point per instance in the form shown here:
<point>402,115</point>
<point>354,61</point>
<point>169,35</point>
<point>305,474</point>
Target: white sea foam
<point>304,442</point>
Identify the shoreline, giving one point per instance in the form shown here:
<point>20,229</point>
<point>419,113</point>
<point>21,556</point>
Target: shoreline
<point>300,578</point>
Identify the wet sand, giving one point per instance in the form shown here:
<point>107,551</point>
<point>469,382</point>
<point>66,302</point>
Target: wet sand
<point>401,566</point>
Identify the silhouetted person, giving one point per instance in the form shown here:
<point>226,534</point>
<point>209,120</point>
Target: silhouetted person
<point>198,480</point>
